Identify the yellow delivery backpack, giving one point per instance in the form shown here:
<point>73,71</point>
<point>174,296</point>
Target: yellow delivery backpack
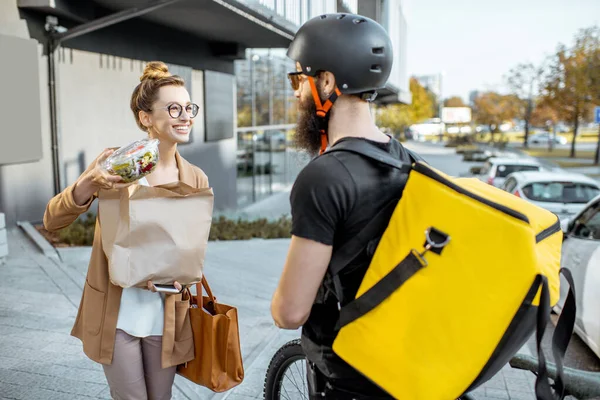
<point>462,276</point>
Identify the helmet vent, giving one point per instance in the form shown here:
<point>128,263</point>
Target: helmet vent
<point>359,20</point>
<point>341,16</point>
<point>375,68</point>
<point>323,16</point>
<point>377,50</point>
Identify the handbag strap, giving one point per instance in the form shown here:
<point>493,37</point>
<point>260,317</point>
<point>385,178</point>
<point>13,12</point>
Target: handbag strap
<point>209,293</point>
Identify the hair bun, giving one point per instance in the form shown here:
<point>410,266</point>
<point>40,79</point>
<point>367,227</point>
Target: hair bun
<point>155,70</point>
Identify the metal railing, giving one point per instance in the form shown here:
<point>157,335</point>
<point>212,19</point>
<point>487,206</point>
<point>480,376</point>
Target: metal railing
<point>297,12</point>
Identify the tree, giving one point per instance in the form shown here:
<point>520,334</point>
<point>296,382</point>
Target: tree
<point>454,101</point>
<point>569,85</point>
<point>394,117</point>
<point>493,109</point>
<point>594,69</point>
<point>398,117</point>
<point>524,80</point>
<point>244,116</point>
<point>421,105</point>
<point>544,114</point>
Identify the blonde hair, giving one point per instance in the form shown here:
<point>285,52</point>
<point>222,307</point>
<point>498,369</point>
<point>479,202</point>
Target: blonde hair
<point>156,75</point>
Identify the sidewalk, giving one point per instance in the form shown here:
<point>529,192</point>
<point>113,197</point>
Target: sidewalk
<point>40,295</point>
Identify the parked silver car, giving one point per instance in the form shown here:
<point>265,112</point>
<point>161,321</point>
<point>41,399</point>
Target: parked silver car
<point>563,193</point>
<point>581,255</point>
<point>495,170</point>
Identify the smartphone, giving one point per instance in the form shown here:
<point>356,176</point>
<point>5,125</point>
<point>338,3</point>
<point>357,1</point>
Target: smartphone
<point>166,288</point>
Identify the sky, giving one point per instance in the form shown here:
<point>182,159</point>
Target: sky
<point>475,43</point>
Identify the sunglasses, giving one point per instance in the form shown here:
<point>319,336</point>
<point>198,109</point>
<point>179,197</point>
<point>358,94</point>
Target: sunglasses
<point>296,79</point>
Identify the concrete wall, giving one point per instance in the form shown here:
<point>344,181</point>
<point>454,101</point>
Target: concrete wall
<point>25,188</point>
<point>3,238</point>
<point>94,91</point>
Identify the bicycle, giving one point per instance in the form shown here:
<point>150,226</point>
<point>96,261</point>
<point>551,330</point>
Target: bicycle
<point>286,359</point>
<point>582,385</point>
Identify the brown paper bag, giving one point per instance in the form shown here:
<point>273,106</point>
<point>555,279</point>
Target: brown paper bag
<point>155,233</point>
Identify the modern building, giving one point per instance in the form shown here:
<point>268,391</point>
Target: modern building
<point>267,107</point>
<point>433,83</point>
<point>473,95</point>
<point>69,67</point>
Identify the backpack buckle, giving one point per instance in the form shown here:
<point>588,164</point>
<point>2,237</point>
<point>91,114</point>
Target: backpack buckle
<point>435,240</point>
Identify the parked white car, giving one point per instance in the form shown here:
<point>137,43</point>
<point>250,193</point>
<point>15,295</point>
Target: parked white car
<point>581,255</point>
<point>545,138</point>
<point>563,193</point>
<point>496,169</point>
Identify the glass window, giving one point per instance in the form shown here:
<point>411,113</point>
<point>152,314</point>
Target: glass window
<point>560,192</point>
<point>504,170</point>
<point>510,185</point>
<point>486,168</point>
<point>588,225</point>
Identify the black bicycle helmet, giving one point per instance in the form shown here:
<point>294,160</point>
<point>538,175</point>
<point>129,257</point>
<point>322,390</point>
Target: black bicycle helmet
<point>354,48</point>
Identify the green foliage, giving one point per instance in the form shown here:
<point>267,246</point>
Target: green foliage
<point>398,117</point>
<point>227,229</point>
<point>81,232</point>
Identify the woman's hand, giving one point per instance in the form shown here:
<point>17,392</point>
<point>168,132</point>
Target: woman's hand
<point>96,178</point>
<point>153,289</point>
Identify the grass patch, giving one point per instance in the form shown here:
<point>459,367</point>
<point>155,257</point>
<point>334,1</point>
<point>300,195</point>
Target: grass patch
<point>226,229</point>
<point>588,136</point>
<point>574,164</point>
<point>560,153</point>
<point>81,232</point>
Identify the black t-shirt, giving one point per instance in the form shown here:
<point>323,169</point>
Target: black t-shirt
<point>332,199</point>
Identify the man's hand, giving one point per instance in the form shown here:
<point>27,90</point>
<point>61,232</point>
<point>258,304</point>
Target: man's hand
<point>305,267</point>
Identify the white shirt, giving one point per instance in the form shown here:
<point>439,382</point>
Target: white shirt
<point>141,312</point>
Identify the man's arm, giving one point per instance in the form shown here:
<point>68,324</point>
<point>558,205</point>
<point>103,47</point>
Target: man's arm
<point>304,269</point>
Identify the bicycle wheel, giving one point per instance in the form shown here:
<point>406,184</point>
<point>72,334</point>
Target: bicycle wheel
<point>286,375</point>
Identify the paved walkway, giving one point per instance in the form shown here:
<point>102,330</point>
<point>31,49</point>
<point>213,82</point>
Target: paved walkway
<point>40,294</point>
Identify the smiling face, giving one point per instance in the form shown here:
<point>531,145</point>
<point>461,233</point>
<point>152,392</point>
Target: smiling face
<point>171,117</point>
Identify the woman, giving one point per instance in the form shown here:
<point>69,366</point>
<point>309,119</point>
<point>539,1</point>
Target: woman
<point>139,335</point>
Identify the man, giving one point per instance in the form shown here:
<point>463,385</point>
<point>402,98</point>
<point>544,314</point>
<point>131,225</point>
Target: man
<point>341,61</point>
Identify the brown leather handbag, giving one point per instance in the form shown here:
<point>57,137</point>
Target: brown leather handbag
<point>217,364</point>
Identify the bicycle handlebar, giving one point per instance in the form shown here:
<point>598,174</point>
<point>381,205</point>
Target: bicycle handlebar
<point>581,384</point>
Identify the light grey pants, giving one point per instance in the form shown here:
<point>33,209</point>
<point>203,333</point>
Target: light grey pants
<point>135,372</point>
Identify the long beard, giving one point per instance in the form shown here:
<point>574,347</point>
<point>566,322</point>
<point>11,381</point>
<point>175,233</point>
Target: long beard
<point>308,135</point>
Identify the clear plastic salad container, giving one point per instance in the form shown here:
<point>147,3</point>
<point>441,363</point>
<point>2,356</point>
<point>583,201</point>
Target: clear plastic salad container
<point>134,161</point>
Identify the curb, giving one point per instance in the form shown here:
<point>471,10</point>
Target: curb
<point>38,239</point>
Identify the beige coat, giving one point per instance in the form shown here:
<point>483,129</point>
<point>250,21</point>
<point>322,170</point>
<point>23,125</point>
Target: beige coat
<point>96,322</point>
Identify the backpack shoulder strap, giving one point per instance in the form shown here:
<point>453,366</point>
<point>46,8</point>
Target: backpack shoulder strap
<point>370,151</point>
<point>343,256</point>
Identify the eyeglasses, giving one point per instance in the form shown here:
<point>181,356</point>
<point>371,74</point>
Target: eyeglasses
<point>296,78</point>
<point>175,110</point>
